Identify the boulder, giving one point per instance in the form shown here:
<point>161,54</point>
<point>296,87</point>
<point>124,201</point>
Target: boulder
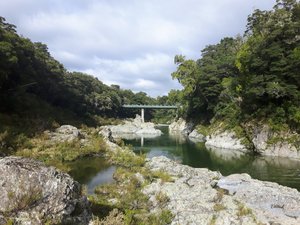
<point>151,130</point>
<point>181,126</point>
<point>225,140</point>
<point>32,193</point>
<point>282,148</point>
<point>196,137</point>
<point>64,133</point>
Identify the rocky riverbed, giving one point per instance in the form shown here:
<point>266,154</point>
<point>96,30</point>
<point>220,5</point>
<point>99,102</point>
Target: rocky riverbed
<point>32,193</point>
<point>200,196</point>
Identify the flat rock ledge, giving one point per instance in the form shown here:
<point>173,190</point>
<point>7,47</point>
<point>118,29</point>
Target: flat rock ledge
<point>32,193</point>
<point>201,196</point>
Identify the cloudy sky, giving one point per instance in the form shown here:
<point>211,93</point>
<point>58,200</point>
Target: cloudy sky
<point>131,43</point>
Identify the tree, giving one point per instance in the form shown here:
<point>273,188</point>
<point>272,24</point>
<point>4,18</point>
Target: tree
<point>269,59</point>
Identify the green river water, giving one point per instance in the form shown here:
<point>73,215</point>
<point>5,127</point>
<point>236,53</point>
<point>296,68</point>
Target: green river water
<point>95,171</point>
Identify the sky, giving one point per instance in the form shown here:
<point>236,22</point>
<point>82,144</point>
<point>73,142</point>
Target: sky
<point>131,43</point>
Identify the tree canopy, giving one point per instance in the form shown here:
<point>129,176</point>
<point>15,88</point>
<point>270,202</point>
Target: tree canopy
<point>254,76</point>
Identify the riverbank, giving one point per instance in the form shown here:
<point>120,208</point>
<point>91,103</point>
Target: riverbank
<point>201,196</point>
<point>252,137</point>
<point>161,191</point>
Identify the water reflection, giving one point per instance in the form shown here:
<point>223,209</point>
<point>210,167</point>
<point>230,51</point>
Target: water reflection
<point>281,170</point>
<point>91,171</point>
<point>94,171</point>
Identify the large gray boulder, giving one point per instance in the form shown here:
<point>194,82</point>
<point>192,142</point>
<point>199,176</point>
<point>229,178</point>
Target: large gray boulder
<point>65,133</point>
<point>225,140</point>
<point>195,136</point>
<point>262,142</point>
<point>32,193</point>
<point>181,126</point>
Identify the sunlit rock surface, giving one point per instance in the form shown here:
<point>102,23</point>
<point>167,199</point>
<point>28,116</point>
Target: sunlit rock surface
<point>181,126</point>
<point>32,193</point>
<point>263,143</point>
<point>64,133</point>
<point>225,140</point>
<point>201,196</point>
<point>194,136</point>
<point>132,127</point>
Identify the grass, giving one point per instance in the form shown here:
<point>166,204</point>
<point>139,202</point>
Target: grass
<point>57,153</point>
<point>126,158</point>
<point>23,200</point>
<point>219,207</point>
<point>162,175</point>
<point>162,199</point>
<point>243,210</point>
<point>204,130</point>
<point>122,202</point>
<point>126,194</point>
<point>219,195</point>
<point>213,220</point>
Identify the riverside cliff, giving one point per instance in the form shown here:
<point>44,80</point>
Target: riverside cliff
<point>258,138</point>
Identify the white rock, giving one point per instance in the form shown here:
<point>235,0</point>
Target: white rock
<point>64,133</point>
<point>195,199</point>
<point>225,140</point>
<point>281,148</point>
<point>196,137</point>
<point>269,201</point>
<point>36,193</point>
<point>180,126</point>
<point>135,128</point>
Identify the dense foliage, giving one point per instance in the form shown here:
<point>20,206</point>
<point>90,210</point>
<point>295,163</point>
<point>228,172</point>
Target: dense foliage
<point>34,84</point>
<point>254,76</point>
<point>38,93</point>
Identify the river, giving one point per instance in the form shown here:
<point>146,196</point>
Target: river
<point>93,172</point>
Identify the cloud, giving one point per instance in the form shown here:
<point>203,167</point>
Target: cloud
<point>129,42</point>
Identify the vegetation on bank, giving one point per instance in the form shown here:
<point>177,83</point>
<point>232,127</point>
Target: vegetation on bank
<point>57,154</point>
<point>120,202</point>
<point>251,78</point>
<point>125,197</point>
<point>37,93</point>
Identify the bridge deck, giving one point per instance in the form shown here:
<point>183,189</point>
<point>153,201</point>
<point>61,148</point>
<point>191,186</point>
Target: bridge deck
<point>150,106</point>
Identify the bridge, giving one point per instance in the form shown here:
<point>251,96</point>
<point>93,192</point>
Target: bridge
<point>143,107</point>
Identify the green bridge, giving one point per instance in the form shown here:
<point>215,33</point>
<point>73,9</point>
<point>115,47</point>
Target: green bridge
<point>143,107</point>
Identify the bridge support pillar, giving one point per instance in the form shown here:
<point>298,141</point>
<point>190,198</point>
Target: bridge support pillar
<point>143,115</point>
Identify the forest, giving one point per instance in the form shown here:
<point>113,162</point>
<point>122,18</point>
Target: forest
<point>254,77</point>
<point>36,87</point>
